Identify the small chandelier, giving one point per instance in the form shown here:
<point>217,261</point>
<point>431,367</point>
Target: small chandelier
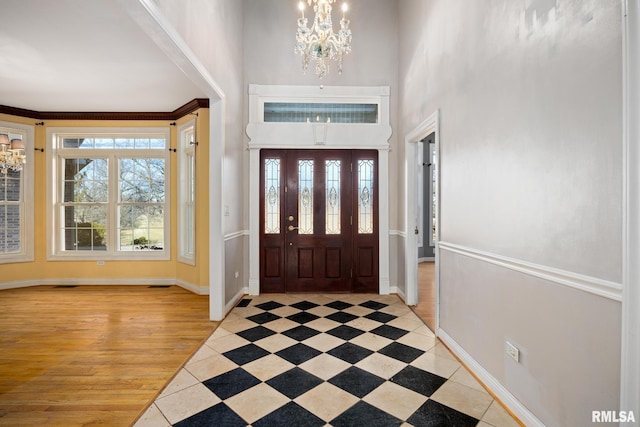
<point>11,154</point>
<point>319,43</point>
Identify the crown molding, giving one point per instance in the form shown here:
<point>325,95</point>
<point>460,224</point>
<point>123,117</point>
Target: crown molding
<point>182,111</point>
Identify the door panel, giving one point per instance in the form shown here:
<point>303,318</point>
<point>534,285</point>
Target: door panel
<point>309,230</point>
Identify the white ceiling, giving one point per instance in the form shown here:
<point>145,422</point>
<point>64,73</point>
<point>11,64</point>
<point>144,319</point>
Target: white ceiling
<point>84,56</point>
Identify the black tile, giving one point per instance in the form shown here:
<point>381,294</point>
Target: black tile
<point>420,381</point>
<point>357,381</point>
<point>434,414</point>
<point>339,305</point>
<point>231,383</point>
<point>374,305</point>
<point>302,317</point>
<point>350,352</point>
<point>380,317</point>
<point>298,353</point>
<point>246,354</point>
<point>244,302</point>
<point>290,414</point>
<point>304,305</point>
<point>271,305</point>
<point>255,334</point>
<point>341,317</point>
<point>345,332</point>
<point>263,318</point>
<point>219,415</point>
<point>301,333</point>
<point>362,414</point>
<point>401,352</point>
<point>294,382</point>
<point>390,332</point>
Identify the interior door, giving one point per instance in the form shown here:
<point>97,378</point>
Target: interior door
<point>318,229</point>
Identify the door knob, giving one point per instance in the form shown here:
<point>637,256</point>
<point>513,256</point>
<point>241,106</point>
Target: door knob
<point>291,218</point>
<point>291,228</point>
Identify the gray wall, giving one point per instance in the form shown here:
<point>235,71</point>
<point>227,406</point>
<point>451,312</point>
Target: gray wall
<point>530,101</point>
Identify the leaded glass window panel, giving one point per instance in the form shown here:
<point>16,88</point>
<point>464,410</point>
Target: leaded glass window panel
<point>305,196</point>
<point>272,196</point>
<point>365,196</point>
<point>333,196</point>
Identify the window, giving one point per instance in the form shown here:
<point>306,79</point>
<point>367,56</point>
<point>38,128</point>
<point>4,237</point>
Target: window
<point>16,201</point>
<point>108,191</point>
<point>300,112</point>
<point>186,193</point>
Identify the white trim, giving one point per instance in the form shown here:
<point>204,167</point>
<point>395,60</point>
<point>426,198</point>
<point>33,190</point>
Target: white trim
<point>105,282</point>
<point>28,190</point>
<point>411,140</point>
<point>300,135</point>
<point>630,348</point>
<point>427,259</point>
<point>593,285</point>
<point>491,383</point>
<point>235,299</point>
<point>235,235</point>
<point>186,178</point>
<point>397,233</point>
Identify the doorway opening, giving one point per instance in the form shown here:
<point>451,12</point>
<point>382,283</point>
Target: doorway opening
<point>422,152</point>
<point>319,221</point>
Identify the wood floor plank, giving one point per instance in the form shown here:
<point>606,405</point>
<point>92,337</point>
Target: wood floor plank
<point>93,355</point>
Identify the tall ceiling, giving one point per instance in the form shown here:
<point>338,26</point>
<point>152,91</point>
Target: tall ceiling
<point>84,56</point>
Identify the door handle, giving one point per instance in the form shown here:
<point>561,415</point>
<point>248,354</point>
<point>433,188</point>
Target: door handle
<point>291,228</point>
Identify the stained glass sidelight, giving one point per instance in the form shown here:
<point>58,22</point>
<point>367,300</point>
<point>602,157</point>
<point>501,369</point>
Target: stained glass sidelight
<point>272,196</point>
<point>305,196</point>
<point>333,196</point>
<point>365,196</point>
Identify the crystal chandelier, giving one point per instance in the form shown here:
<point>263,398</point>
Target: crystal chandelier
<point>319,43</point>
<point>11,154</point>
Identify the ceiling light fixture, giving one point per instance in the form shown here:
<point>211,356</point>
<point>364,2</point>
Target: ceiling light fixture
<point>319,43</point>
<point>11,154</point>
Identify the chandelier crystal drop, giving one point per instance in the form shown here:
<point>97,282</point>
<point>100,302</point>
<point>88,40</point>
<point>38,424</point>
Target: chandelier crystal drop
<point>11,154</point>
<point>319,43</point>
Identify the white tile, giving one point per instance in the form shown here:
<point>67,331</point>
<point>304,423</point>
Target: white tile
<point>326,401</point>
<point>323,324</point>
<point>268,367</point>
<point>152,417</point>
<point>182,380</point>
<point>381,365</point>
<point>226,343</point>
<point>416,340</point>
<point>256,402</point>
<point>462,398</point>
<point>325,366</point>
<point>275,343</point>
<point>371,341</point>
<point>462,376</point>
<point>185,403</point>
<point>497,416</point>
<point>396,400</point>
<point>441,366</point>
<point>323,342</point>
<point>211,367</point>
<point>203,352</point>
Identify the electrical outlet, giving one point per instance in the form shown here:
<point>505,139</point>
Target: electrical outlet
<point>512,351</point>
<point>237,274</point>
<point>100,262</point>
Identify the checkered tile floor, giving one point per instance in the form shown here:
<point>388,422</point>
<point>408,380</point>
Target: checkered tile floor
<point>316,360</point>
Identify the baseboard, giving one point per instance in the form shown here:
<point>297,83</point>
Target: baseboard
<point>508,399</point>
<point>235,299</point>
<point>396,290</point>
<point>198,290</point>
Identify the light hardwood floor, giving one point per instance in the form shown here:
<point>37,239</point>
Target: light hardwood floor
<point>426,307</point>
<point>93,355</point>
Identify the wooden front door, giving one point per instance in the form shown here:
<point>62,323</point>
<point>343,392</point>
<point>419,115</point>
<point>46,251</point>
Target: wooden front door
<point>318,221</point>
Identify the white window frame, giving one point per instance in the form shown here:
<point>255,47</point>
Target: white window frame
<point>26,253</point>
<point>186,192</point>
<point>55,154</point>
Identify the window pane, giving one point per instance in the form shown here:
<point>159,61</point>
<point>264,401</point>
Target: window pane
<point>9,229</point>
<point>86,180</point>
<point>157,143</point>
<point>125,143</point>
<point>10,188</point>
<point>142,180</point>
<point>272,196</point>
<point>305,196</point>
<point>85,228</point>
<point>141,228</point>
<point>300,112</point>
<point>333,196</point>
<point>365,196</point>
